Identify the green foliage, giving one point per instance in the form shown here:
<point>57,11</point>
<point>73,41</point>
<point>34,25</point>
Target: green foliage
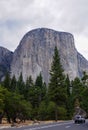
<point>42,111</point>
<point>69,103</point>
<point>17,108</point>
<point>62,112</point>
<point>42,87</point>
<point>84,102</point>
<point>7,81</point>
<point>29,82</point>
<point>69,107</point>
<point>20,85</point>
<point>26,110</point>
<point>84,93</point>
<point>28,86</point>
<point>39,81</point>
<point>85,79</point>
<point>14,106</point>
<point>51,110</point>
<point>57,89</point>
<point>68,85</point>
<point>77,89</point>
<point>34,100</point>
<point>4,96</point>
<point>1,100</point>
<point>13,84</point>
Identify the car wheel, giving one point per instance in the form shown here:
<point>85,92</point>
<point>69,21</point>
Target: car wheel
<point>75,122</point>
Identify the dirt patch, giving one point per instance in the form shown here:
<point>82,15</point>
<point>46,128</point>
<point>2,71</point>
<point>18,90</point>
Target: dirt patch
<point>28,122</point>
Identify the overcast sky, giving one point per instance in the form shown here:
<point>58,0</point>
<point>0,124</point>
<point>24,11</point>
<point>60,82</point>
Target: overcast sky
<point>20,16</point>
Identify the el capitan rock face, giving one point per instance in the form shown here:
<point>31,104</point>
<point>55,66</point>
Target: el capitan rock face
<point>35,51</point>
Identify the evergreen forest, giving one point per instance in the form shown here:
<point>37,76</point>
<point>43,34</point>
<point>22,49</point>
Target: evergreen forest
<point>34,100</point>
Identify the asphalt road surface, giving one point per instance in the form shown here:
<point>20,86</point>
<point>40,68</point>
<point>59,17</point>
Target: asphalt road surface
<point>67,125</point>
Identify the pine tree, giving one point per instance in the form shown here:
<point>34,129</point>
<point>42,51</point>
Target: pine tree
<point>29,82</point>
<point>20,84</point>
<point>68,85</point>
<point>77,88</point>
<point>69,105</point>
<point>85,79</point>
<point>39,81</point>
<point>7,81</point>
<point>13,84</point>
<point>28,86</point>
<point>41,86</point>
<point>57,87</point>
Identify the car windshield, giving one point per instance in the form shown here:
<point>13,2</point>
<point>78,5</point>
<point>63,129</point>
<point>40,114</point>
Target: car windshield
<point>77,116</point>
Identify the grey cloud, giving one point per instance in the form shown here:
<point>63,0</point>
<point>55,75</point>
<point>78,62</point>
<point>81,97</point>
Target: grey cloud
<point>19,16</point>
<point>46,12</point>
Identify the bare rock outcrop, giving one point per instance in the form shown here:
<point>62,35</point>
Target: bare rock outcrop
<point>5,61</point>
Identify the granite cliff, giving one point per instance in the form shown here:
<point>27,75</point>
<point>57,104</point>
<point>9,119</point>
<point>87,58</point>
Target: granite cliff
<point>5,61</point>
<point>35,51</point>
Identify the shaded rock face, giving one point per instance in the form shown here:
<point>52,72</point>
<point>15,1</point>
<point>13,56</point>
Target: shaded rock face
<point>35,51</point>
<point>82,64</point>
<point>5,61</point>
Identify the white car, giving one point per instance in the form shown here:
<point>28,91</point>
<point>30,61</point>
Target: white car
<point>79,119</point>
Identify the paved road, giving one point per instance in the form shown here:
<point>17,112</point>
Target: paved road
<point>54,126</point>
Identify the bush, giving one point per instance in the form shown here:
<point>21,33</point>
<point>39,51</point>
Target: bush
<point>62,113</point>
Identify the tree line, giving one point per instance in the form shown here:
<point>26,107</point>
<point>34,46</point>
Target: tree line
<point>20,101</point>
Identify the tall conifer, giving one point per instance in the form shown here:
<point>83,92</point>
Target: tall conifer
<point>57,87</point>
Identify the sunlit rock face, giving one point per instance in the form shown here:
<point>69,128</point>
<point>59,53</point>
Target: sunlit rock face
<point>35,51</point>
<point>5,61</point>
